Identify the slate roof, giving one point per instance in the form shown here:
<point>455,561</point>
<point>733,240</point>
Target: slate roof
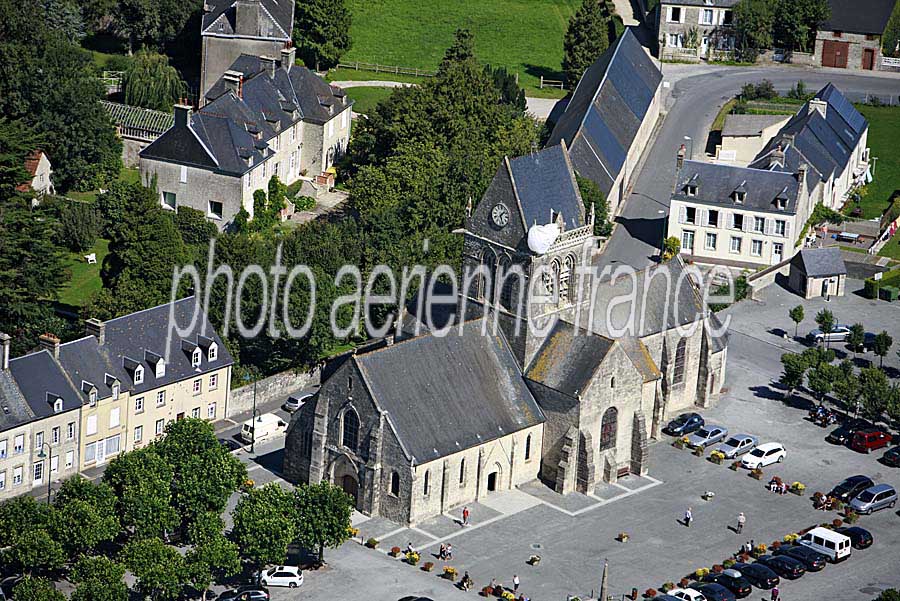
<point>713,3</point>
<point>858,16</point>
<point>568,360</point>
<point>640,358</point>
<point>38,375</point>
<point>276,19</point>
<point>607,109</point>
<point>444,395</point>
<point>749,125</point>
<point>137,117</point>
<point>716,184</point>
<point>820,262</point>
<point>14,410</point>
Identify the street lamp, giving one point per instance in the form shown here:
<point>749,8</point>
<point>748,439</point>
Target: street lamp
<point>690,141</point>
<point>42,456</point>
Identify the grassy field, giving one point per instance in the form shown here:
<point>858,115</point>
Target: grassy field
<point>85,280</point>
<point>525,36</point>
<point>884,132</point>
<point>365,98</point>
<point>126,175</point>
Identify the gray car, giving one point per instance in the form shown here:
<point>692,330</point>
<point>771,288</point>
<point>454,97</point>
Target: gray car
<point>874,498</point>
<point>737,445</point>
<point>707,435</point>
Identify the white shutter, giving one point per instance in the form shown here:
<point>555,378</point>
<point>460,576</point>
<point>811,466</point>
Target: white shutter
<point>704,217</point>
<point>769,227</point>
<point>682,214</point>
<point>787,228</point>
<point>91,425</point>
<point>747,224</point>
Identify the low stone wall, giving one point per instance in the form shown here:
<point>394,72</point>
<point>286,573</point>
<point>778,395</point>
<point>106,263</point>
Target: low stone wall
<point>760,280</point>
<point>273,388</point>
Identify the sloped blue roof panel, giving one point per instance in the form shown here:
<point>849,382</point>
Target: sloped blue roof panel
<point>632,89</point>
<point>603,141</point>
<point>812,149</point>
<point>832,142</point>
<point>544,184</point>
<point>640,62</point>
<point>585,163</point>
<point>844,107</point>
<point>615,112</point>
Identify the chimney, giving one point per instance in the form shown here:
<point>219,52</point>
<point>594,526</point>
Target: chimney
<point>49,342</point>
<point>246,20</point>
<point>96,328</point>
<point>268,64</point>
<point>776,157</point>
<point>288,58</point>
<point>182,114</point>
<point>801,180</point>
<point>234,82</point>
<point>5,342</point>
<point>679,161</point>
<point>817,104</point>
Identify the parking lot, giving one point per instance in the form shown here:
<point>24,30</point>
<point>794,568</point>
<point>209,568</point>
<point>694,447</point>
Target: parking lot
<point>574,534</point>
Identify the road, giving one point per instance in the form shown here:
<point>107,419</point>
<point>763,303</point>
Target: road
<point>692,102</point>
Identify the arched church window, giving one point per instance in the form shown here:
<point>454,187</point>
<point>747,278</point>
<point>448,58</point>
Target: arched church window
<point>462,470</point>
<point>427,482</point>
<point>395,484</point>
<point>350,430</point>
<point>486,282</point>
<point>680,359</point>
<point>528,448</point>
<point>551,280</point>
<point>608,428</point>
<point>566,289</point>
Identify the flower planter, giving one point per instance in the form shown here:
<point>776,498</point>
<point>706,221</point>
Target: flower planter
<point>678,444</point>
<point>756,474</point>
<point>699,451</point>
<point>427,566</point>
<point>734,466</point>
<point>668,586</point>
<point>371,543</point>
<point>650,593</point>
<point>395,551</point>
<point>449,573</point>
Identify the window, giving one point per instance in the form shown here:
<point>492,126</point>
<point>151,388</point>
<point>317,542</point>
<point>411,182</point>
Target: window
<point>706,16</point>
<point>712,218</point>
<point>691,189</point>
<point>680,359</point>
<point>114,418</point>
<point>427,482</point>
<point>197,386</point>
<point>196,357</point>
<point>608,428</point>
<point>70,459</point>
<point>169,200</point>
<point>195,412</point>
<point>160,368</point>
<point>306,444</point>
<point>3,449</point>
<point>674,40</point>
<point>90,452</point>
<point>160,398</point>
<point>687,241</point>
<point>780,227</point>
<point>115,391</point>
<point>213,381</point>
<point>710,242</point>
<point>160,426</point>
<point>213,353</point>
<point>91,425</point>
<point>727,17</point>
<point>17,475</point>
<point>2,479</point>
<point>462,471</point>
<point>737,221</point>
<point>674,14</point>
<point>756,248</point>
<point>38,472</point>
<point>54,435</point>
<point>19,444</point>
<point>113,445</point>
<point>183,175</point>
<point>92,397</point>
<point>54,464</point>
<point>350,430</point>
<point>215,209</point>
<point>395,484</point>
<point>139,405</point>
<point>528,447</point>
<point>38,440</point>
<point>739,197</point>
<point>759,224</point>
<point>57,405</point>
<point>138,433</point>
<point>70,431</point>
<point>139,375</point>
<point>211,411</point>
<point>690,215</point>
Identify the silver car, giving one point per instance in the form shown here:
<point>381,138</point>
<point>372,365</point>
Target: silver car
<point>707,435</point>
<point>874,498</point>
<point>737,445</point>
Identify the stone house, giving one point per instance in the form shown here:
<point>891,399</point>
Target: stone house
<point>695,29</point>
<point>230,28</point>
<point>851,37</point>
<point>818,272</point>
<point>263,118</point>
<point>744,137</point>
<point>611,116</point>
<point>39,169</point>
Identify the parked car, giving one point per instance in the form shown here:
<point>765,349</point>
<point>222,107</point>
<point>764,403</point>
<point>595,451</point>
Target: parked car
<point>684,424</point>
<point>783,565</point>
<point>847,490</point>
<point>843,433</point>
<point>707,435</point>
<point>759,575</point>
<point>245,593</point>
<point>763,455</point>
<point>860,538</point>
<point>229,444</point>
<point>812,560</point>
<point>733,580</point>
<point>865,441</point>
<point>839,333</point>
<point>874,498</point>
<point>737,445</point>
<point>713,591</point>
<point>665,597</point>
<point>294,402</point>
<point>891,457</point>
<point>687,594</point>
<point>281,576</point>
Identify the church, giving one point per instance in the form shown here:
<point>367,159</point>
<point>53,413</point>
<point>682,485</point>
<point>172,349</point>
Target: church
<point>567,390</point>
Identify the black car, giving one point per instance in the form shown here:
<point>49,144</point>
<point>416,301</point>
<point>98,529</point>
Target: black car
<point>229,444</point>
<point>891,457</point>
<point>685,423</point>
<point>783,565</point>
<point>245,593</point>
<point>812,560</point>
<point>847,490</point>
<point>843,433</point>
<point>860,538</point>
<point>733,581</point>
<point>713,591</point>
<point>759,575</point>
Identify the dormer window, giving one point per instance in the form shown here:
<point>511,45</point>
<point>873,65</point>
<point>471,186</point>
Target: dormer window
<point>139,374</point>
<point>57,405</point>
<point>739,197</point>
<point>115,391</point>
<point>196,357</point>
<point>213,352</point>
<point>691,189</point>
<point>92,397</point>
<point>160,368</point>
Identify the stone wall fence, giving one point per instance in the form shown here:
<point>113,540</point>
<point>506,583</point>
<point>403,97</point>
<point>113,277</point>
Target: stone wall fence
<point>276,387</point>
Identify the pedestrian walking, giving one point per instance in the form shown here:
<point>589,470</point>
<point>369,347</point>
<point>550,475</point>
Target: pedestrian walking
<point>775,593</point>
<point>741,520</point>
<point>688,516</point>
<point>442,554</point>
<point>515,583</point>
<point>465,516</point>
<point>449,552</point>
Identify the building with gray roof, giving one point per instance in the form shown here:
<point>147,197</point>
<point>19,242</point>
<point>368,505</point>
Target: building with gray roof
<point>690,30</point>
<point>851,36</point>
<point>818,272</point>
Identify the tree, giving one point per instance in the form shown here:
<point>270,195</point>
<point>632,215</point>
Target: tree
<point>142,482</point>
<point>593,196</point>
<point>99,579</point>
<point>205,526</point>
<point>161,571</point>
<point>671,247</point>
<point>587,37</point>
<point>796,315</point>
<point>796,22</point>
<point>215,559</point>
<point>35,551</point>
<point>31,588</point>
<point>152,83</point>
<point>321,32</point>
<point>323,516</point>
<point>510,92</point>
<point>195,229</point>
<point>754,21</point>
<point>79,226</point>
<point>890,594</point>
<point>857,338</point>
<point>64,17</point>
<point>19,515</point>
<point>825,320</point>
<point>847,388</point>
<point>84,515</point>
<point>873,391</point>
<point>137,21</point>
<point>794,369</point>
<point>817,355</point>
<point>890,40</point>
<point>821,379</point>
<point>265,523</point>
<point>881,345</point>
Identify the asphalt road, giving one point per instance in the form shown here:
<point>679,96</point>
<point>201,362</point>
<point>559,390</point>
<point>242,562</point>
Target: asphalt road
<point>693,102</point>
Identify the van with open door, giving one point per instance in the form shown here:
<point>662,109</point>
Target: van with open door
<point>265,426</point>
<point>834,545</point>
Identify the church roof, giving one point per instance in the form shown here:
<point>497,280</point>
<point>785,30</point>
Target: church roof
<point>446,394</point>
<point>544,184</point>
<point>568,360</point>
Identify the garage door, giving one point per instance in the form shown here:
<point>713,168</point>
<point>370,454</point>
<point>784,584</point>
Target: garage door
<point>834,54</point>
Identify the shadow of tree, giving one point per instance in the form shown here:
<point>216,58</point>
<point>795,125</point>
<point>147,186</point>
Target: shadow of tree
<point>545,72</point>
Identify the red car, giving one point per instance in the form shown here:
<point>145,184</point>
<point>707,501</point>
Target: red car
<point>866,440</point>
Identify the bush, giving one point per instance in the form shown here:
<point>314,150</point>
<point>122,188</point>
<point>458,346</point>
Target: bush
<point>80,224</point>
<point>450,573</point>
<point>371,543</point>
<point>304,203</point>
<point>871,288</point>
<point>428,566</point>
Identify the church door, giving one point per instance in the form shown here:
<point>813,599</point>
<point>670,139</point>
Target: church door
<point>492,481</point>
<point>350,486</point>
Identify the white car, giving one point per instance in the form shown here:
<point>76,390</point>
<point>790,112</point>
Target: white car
<point>281,576</point>
<point>763,455</point>
<point>688,594</point>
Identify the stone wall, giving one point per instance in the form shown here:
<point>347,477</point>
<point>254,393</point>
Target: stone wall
<point>856,43</point>
<point>275,387</point>
<point>131,150</point>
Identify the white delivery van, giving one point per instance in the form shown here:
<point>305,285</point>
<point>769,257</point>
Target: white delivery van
<point>266,425</point>
<point>827,542</point>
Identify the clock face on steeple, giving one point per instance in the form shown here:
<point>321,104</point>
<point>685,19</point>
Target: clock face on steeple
<point>500,215</point>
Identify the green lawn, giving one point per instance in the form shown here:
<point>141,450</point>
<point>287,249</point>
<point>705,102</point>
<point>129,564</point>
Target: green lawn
<point>126,175</point>
<point>365,98</point>
<point>525,36</point>
<point>884,132</point>
<point>85,280</point>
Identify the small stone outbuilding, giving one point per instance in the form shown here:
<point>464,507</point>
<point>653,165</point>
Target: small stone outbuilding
<point>818,272</point>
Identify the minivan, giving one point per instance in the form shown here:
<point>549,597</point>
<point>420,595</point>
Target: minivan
<point>874,498</point>
<point>865,441</point>
<point>266,425</point>
<point>834,545</point>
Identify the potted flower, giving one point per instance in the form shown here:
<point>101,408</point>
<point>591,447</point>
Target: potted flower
<point>623,537</point>
<point>683,583</point>
<point>395,551</point>
<point>837,522</point>
<point>650,593</point>
<point>412,558</point>
<point>838,505</point>
<point>734,466</point>
<point>508,596</point>
<point>759,550</point>
<point>487,591</point>
<point>718,569</point>
<point>680,443</point>
<point>701,572</point>
<point>756,473</point>
<point>450,573</point>
<point>428,566</point>
<point>745,557</point>
<point>372,543</point>
<point>776,545</point>
<point>790,538</point>
<point>699,451</point>
<point>668,586</point>
<point>797,488</point>
<point>850,516</point>
<point>717,457</point>
<point>728,563</point>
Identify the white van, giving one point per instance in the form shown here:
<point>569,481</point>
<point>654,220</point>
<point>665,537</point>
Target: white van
<point>827,542</point>
<point>267,424</point>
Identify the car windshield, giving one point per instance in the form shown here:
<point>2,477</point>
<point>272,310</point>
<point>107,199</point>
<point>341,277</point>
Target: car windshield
<point>681,419</point>
<point>733,442</point>
<point>866,496</point>
<point>703,433</point>
<point>757,453</point>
